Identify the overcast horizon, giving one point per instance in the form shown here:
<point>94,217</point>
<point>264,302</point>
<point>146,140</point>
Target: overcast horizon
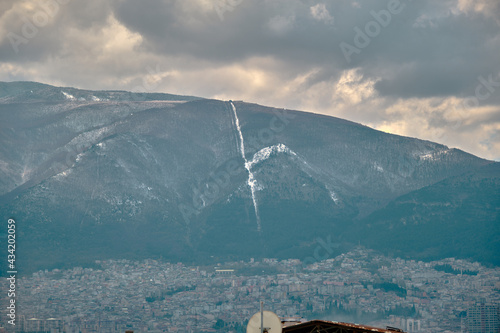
<point>422,69</point>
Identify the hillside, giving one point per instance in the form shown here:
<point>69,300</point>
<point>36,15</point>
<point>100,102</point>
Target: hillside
<point>91,175</point>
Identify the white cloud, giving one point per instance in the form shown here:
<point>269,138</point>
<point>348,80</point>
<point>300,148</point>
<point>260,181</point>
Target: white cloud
<point>488,8</point>
<point>275,53</point>
<point>320,13</point>
<point>353,88</point>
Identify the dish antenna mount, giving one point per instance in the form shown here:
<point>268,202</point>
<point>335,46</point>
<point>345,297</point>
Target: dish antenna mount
<point>264,322</point>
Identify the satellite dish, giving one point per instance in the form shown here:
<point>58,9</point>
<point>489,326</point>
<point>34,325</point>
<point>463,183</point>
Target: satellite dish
<point>272,323</point>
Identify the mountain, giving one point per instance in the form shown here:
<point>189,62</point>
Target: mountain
<point>456,217</point>
<point>111,174</point>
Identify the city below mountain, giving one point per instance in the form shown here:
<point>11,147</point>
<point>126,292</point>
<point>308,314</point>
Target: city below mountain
<point>98,175</point>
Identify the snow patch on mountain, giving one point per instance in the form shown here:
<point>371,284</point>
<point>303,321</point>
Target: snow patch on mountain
<point>433,156</point>
<point>63,174</point>
<point>378,167</point>
<point>68,96</point>
<point>78,157</point>
<point>334,197</point>
<point>89,137</point>
<point>265,153</point>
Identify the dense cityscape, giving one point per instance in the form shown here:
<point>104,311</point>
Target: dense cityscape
<point>360,286</point>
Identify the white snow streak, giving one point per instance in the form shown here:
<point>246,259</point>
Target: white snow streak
<point>259,157</point>
<point>252,182</point>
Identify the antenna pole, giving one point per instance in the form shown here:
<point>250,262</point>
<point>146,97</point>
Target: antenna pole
<point>261,317</point>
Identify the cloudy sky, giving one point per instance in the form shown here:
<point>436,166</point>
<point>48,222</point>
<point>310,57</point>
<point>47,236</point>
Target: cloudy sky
<point>421,68</point>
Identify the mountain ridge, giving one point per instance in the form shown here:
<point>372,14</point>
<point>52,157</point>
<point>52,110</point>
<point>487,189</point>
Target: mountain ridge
<point>104,169</point>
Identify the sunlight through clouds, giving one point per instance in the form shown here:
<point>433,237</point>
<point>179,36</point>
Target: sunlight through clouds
<point>353,88</point>
<point>410,80</point>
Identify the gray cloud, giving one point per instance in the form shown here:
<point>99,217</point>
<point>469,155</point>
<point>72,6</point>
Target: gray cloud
<point>425,60</point>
